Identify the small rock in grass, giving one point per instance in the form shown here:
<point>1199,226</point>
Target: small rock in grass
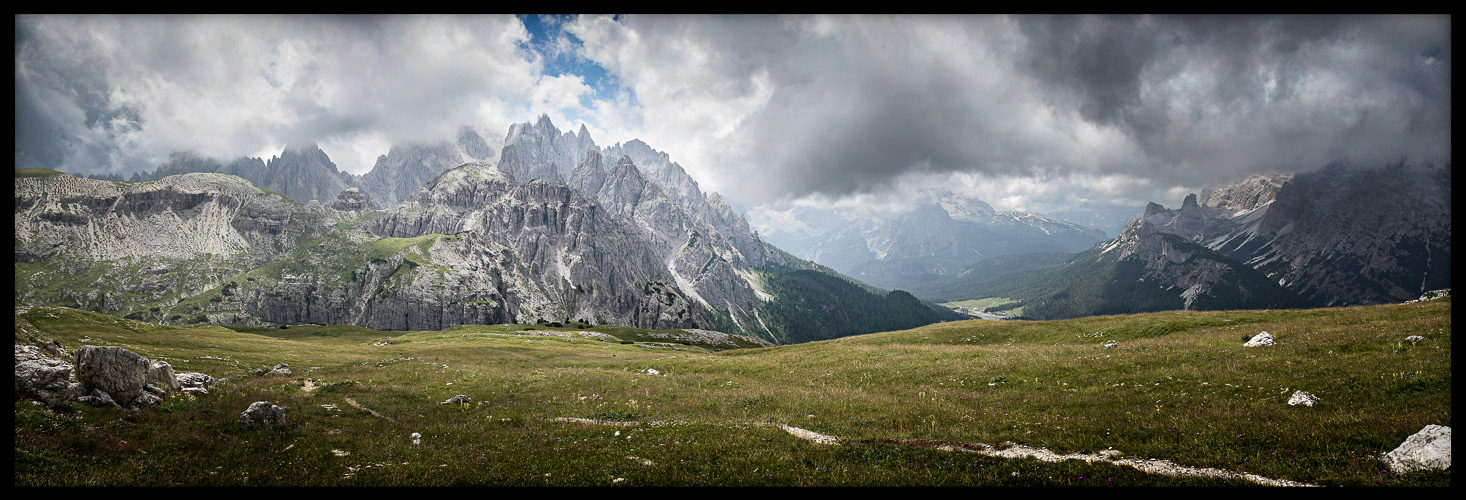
<point>416,439</point>
<point>1302,398</point>
<point>1414,338</point>
<point>457,400</point>
<point>652,371</point>
<point>1260,339</point>
<point>1111,344</point>
<point>262,413</point>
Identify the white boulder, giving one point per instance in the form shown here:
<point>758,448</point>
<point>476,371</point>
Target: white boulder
<point>1260,339</point>
<point>1429,449</point>
<point>1302,398</point>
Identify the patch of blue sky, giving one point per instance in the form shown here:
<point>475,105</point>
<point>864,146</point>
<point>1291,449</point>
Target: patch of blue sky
<point>560,52</point>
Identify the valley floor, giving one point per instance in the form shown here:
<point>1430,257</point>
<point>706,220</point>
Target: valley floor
<point>905,408</point>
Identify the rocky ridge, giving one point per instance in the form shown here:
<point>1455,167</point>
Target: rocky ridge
<point>1339,236</point>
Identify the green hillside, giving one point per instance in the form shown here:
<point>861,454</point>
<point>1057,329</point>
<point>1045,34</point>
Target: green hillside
<point>552,410</point>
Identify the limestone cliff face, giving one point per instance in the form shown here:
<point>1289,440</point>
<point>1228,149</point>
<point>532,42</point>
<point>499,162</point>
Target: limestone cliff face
<point>708,249</point>
<point>474,247</point>
<point>541,250</point>
<point>176,217</point>
<point>109,246</point>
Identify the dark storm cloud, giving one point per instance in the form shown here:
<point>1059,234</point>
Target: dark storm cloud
<point>1237,94</point>
<point>857,103</point>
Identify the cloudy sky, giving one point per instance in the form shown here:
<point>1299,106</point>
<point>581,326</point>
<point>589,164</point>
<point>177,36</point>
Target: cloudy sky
<point>1028,112</point>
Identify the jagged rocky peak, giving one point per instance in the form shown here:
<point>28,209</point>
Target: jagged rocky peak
<point>309,152</point>
<point>588,177</point>
<point>473,145</point>
<point>1152,209</point>
<point>541,151</point>
<point>1190,202</point>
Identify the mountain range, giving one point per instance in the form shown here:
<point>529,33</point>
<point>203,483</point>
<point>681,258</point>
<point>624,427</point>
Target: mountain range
<point>1341,235</point>
<point>563,230</point>
<point>559,231</point>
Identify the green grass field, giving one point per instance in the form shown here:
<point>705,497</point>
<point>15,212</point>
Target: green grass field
<point>983,304</point>
<point>1180,387</point>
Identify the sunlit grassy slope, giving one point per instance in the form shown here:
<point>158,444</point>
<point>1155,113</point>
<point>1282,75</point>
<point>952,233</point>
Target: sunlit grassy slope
<point>1180,386</point>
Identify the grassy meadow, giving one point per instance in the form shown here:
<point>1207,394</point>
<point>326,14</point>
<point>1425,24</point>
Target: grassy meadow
<point>1180,387</point>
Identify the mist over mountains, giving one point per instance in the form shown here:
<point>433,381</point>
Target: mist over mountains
<point>944,232</point>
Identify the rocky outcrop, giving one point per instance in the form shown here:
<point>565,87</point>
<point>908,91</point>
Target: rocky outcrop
<point>42,378</point>
<point>521,252</point>
<point>305,173</point>
<point>279,369</point>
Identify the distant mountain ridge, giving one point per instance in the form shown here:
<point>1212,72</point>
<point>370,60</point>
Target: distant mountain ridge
<point>304,173</point>
<point>942,234</point>
<point>1342,235</point>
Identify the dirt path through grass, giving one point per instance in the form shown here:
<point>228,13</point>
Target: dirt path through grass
<point>374,413</point>
<point>1011,450</point>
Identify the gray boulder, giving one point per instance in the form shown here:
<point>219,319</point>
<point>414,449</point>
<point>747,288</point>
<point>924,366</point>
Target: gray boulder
<point>1429,449</point>
<point>262,413</point>
<point>195,383</point>
<point>42,378</point>
<point>120,373</point>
